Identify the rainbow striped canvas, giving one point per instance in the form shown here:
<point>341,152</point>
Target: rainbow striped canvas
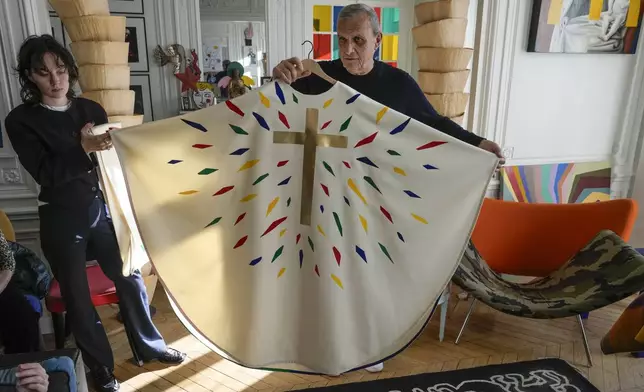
<point>557,183</point>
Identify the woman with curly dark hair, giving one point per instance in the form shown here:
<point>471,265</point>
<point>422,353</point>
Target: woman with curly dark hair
<point>51,133</point>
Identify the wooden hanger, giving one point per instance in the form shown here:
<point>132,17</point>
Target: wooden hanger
<point>313,67</point>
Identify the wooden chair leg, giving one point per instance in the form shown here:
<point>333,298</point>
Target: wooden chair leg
<point>58,320</point>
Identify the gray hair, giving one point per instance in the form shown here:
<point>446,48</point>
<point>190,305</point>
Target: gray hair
<point>353,10</point>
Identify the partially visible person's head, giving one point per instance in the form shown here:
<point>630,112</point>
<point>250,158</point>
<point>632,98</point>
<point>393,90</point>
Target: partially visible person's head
<point>46,71</point>
<point>359,37</point>
<point>225,64</point>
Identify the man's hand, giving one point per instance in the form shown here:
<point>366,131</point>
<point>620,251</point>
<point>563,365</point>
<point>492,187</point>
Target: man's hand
<point>290,70</point>
<point>494,148</point>
<point>31,378</point>
<point>93,143</point>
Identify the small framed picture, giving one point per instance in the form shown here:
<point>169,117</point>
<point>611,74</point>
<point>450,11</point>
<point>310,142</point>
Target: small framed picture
<point>140,84</point>
<point>135,35</point>
<point>57,30</point>
<point>126,6</point>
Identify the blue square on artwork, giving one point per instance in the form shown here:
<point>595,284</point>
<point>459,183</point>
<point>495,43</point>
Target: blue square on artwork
<point>336,13</point>
<point>376,55</point>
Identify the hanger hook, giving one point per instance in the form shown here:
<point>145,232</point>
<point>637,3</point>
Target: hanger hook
<point>310,51</point>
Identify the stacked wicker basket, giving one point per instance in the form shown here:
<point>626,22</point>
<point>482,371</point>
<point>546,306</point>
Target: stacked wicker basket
<point>100,50</point>
<point>442,58</point>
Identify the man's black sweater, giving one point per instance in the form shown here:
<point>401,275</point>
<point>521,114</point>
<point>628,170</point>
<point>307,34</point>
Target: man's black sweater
<point>391,87</point>
<point>48,145</point>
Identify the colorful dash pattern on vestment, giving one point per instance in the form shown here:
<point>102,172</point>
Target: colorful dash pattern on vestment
<point>352,190</point>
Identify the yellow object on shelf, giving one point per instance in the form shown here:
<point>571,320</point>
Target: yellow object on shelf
<point>96,28</point>
<point>442,9</point>
<point>104,53</point>
<point>104,77</point>
<point>248,81</point>
<point>449,105</point>
<point>443,83</point>
<point>115,102</point>
<point>446,33</point>
<point>75,8</point>
<point>443,59</point>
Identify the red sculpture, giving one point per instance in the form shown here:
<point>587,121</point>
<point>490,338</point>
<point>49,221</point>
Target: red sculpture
<point>191,75</point>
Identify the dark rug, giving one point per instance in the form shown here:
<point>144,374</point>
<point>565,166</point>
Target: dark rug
<point>545,375</point>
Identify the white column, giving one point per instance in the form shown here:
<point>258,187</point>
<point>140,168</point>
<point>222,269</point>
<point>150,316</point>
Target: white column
<point>285,30</point>
<point>170,22</point>
<point>494,60</point>
<point>628,159</point>
<point>626,147</point>
<point>637,237</point>
<point>19,19</point>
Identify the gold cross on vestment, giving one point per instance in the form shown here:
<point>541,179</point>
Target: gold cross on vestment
<point>311,140</point>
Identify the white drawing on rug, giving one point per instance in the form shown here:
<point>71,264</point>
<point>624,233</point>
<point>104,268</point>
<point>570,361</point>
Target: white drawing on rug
<point>536,380</point>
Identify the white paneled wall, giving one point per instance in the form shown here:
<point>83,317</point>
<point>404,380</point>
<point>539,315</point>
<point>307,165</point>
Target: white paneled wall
<point>233,34</point>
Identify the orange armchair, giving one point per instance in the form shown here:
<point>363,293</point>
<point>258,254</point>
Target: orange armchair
<point>560,245</point>
<point>536,239</point>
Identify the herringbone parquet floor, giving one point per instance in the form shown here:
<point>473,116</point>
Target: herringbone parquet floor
<point>490,338</point>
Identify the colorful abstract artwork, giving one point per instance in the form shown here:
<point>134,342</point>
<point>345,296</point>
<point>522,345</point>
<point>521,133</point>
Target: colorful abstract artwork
<point>585,26</point>
<point>326,45</point>
<point>557,183</point>
<point>287,228</point>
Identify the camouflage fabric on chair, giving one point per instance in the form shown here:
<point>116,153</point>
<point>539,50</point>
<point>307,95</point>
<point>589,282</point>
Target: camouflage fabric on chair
<point>605,271</point>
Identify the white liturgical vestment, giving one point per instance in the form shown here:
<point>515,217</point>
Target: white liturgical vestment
<point>298,232</point>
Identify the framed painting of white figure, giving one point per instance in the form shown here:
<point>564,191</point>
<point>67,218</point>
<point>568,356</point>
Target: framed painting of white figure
<point>585,26</point>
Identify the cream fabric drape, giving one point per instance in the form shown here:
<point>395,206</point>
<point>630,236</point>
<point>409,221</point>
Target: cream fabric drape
<point>115,191</point>
<point>302,232</point>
